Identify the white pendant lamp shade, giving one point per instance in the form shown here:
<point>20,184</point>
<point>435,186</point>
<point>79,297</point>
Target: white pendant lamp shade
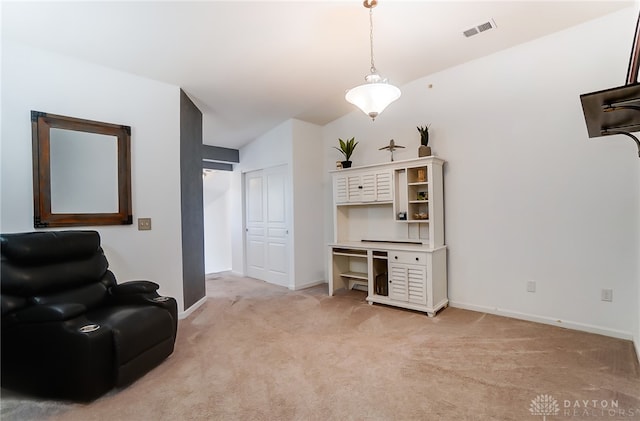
<point>374,96</point>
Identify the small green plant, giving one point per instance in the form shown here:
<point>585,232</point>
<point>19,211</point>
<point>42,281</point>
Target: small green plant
<point>424,134</point>
<point>347,147</point>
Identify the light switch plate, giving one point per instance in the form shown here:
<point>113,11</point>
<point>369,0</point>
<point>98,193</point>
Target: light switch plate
<point>144,224</point>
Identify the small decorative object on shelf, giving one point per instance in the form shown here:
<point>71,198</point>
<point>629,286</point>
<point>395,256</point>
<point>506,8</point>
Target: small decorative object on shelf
<point>346,148</point>
<point>422,195</point>
<point>424,149</point>
<point>391,147</point>
<point>422,175</point>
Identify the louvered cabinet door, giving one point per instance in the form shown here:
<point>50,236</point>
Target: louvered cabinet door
<point>398,282</point>
<point>408,283</point>
<point>354,188</point>
<point>417,284</point>
<point>383,184</point>
<point>368,187</point>
<point>340,190</point>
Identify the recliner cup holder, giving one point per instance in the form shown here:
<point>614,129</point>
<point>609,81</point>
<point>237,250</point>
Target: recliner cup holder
<point>89,328</point>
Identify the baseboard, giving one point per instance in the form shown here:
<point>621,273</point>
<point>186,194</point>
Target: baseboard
<point>636,344</point>
<point>219,273</point>
<point>307,285</point>
<point>187,312</point>
<point>600,330</point>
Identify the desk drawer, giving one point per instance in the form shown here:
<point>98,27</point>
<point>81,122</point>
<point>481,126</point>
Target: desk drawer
<point>408,257</point>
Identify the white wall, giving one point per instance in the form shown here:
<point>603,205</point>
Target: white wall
<point>308,203</point>
<point>527,195</point>
<point>217,231</point>
<point>42,81</point>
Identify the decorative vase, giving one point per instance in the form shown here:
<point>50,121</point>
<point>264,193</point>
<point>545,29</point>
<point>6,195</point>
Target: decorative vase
<point>346,164</point>
<point>424,151</point>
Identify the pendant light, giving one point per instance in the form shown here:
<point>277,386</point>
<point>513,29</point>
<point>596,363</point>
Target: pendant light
<point>375,94</point>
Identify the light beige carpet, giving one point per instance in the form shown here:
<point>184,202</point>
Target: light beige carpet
<point>260,352</point>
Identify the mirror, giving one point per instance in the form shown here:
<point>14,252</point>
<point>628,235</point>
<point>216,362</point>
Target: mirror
<point>81,172</point>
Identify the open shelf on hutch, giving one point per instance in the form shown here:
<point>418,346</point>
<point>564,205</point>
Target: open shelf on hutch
<point>351,266</point>
<point>412,194</point>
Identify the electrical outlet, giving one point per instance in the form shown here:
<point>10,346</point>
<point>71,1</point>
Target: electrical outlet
<point>531,286</point>
<point>606,295</point>
<point>144,224</point>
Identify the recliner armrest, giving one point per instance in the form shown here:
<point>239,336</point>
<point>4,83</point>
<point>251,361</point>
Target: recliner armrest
<point>144,293</point>
<point>50,312</point>
<point>134,287</point>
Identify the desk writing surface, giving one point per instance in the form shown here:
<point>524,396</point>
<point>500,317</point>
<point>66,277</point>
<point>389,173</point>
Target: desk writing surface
<point>384,245</point>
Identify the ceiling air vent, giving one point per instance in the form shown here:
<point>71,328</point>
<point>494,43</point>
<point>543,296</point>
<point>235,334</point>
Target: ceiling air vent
<point>479,28</point>
<point>470,32</point>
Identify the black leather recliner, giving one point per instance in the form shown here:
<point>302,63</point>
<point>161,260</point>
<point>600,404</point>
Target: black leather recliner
<point>69,331</point>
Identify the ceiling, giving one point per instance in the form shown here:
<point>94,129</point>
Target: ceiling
<point>249,66</point>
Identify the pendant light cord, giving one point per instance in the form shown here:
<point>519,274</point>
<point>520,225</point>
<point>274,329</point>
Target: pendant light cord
<point>373,66</point>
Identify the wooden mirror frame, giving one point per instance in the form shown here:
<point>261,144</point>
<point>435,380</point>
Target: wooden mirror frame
<point>41,123</point>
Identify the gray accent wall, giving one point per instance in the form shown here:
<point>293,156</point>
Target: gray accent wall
<point>191,201</point>
<point>216,153</point>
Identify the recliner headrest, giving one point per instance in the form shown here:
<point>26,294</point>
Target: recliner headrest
<point>37,263</point>
<point>41,247</point>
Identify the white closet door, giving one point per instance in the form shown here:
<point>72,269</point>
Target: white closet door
<point>267,229</point>
<point>255,227</point>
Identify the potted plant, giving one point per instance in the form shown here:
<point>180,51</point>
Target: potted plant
<point>424,149</point>
<point>346,148</point>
